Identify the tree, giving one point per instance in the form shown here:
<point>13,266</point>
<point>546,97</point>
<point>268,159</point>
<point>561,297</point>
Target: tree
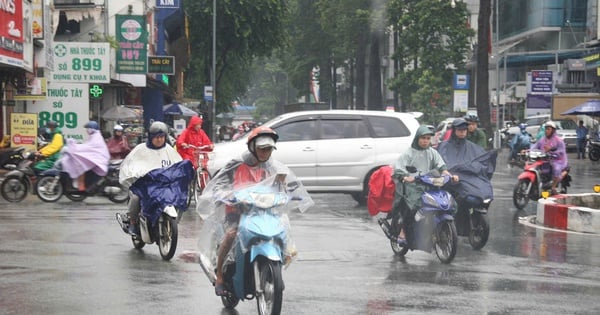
<point>483,40</point>
<point>433,40</point>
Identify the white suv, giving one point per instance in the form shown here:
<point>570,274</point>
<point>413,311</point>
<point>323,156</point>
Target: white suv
<point>332,150</point>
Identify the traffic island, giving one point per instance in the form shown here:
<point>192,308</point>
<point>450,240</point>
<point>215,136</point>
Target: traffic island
<point>573,212</point>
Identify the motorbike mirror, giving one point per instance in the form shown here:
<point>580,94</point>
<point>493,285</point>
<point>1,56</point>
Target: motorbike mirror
<point>411,169</point>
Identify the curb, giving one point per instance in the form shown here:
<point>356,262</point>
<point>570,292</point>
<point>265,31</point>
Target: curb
<point>573,212</point>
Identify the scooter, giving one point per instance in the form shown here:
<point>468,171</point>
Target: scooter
<point>594,150</point>
<point>54,183</point>
<point>163,196</point>
<point>262,247</point>
<point>433,225</point>
<point>472,221</point>
<point>20,181</point>
<point>537,178</point>
<point>10,157</point>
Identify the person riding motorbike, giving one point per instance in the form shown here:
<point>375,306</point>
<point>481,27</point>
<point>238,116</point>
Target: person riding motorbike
<point>50,152</point>
<point>142,159</point>
<point>193,136</point>
<point>472,163</point>
<point>254,166</point>
<point>118,145</point>
<point>520,142</point>
<point>475,134</point>
<point>424,158</point>
<point>551,142</point>
<point>92,155</point>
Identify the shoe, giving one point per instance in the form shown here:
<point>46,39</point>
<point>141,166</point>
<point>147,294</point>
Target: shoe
<point>42,189</point>
<point>134,229</point>
<point>221,290</point>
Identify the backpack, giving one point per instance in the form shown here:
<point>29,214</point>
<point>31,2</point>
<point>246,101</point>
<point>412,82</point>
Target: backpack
<point>381,190</point>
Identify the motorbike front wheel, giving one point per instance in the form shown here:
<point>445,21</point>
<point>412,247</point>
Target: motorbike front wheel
<point>167,236</point>
<point>480,232</point>
<point>520,195</point>
<point>594,154</point>
<point>49,188</point>
<point>120,197</point>
<point>14,188</point>
<point>271,285</point>
<point>445,241</point>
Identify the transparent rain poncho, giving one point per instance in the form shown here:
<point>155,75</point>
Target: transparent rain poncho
<point>277,193</point>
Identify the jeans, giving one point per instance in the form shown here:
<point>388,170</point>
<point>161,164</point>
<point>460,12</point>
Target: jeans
<point>581,148</point>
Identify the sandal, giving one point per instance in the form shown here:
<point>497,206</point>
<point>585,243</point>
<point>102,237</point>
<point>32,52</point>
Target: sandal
<point>221,290</point>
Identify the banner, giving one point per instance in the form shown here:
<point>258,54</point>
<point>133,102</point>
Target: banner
<point>81,62</point>
<point>132,53</point>
<point>11,33</point>
<point>23,130</point>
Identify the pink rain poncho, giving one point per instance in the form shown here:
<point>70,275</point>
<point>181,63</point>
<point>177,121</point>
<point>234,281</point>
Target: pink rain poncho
<point>92,155</point>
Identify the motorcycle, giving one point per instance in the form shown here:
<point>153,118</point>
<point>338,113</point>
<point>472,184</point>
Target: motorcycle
<point>433,225</point>
<point>20,181</point>
<point>10,157</point>
<point>537,178</point>
<point>263,244</point>
<point>594,150</point>
<point>54,183</point>
<point>163,195</point>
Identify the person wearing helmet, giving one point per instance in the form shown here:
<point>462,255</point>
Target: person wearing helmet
<point>153,154</point>
<point>49,153</point>
<point>118,145</point>
<point>79,158</point>
<point>473,164</point>
<point>474,134</point>
<point>520,142</point>
<point>192,138</point>
<point>425,159</point>
<point>254,166</point>
<point>551,142</point>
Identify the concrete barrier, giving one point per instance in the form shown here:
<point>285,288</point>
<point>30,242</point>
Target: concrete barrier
<point>573,212</point>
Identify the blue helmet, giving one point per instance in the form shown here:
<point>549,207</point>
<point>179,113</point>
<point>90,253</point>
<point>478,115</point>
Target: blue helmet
<point>522,126</point>
<point>92,125</point>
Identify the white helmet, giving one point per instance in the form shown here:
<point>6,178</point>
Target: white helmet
<point>118,128</point>
<point>551,124</point>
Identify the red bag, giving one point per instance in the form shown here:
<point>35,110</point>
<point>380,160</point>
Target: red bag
<point>381,190</point>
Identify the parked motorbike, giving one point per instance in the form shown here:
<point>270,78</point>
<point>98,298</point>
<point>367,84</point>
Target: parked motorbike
<point>20,181</point>
<point>537,178</point>
<point>433,225</point>
<point>163,195</point>
<point>594,150</point>
<point>54,183</point>
<point>10,157</point>
<point>263,244</point>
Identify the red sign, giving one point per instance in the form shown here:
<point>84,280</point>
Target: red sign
<point>23,139</point>
<point>11,32</point>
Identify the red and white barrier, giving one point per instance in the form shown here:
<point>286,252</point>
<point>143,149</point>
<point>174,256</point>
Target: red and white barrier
<point>573,212</point>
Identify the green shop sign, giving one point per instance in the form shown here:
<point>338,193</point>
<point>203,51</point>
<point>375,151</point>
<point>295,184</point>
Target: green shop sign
<point>133,39</point>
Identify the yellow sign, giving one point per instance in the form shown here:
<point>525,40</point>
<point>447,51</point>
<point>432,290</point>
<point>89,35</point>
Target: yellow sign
<point>23,130</point>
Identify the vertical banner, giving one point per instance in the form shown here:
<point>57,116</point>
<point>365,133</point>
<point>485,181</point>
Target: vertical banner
<point>11,33</point>
<point>314,84</point>
<point>68,104</point>
<point>23,130</point>
<point>133,39</point>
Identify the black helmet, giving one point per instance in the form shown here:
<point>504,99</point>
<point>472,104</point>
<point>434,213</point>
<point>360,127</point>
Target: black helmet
<point>459,123</point>
<point>472,118</point>
<point>51,124</point>
<point>158,128</point>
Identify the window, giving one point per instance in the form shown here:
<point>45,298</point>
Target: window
<point>66,26</point>
<point>384,127</point>
<point>297,130</point>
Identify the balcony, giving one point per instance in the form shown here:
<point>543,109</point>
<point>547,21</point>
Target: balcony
<point>74,4</point>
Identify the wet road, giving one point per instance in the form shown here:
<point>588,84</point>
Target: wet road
<point>72,258</point>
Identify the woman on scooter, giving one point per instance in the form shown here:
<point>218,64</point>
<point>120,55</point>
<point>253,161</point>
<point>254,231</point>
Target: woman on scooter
<point>142,159</point>
<point>552,143</point>
<point>425,159</point>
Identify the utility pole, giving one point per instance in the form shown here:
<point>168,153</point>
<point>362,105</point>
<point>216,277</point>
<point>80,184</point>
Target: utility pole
<point>482,85</point>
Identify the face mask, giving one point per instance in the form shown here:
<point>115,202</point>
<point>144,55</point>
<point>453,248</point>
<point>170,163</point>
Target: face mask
<point>90,131</point>
<point>48,130</point>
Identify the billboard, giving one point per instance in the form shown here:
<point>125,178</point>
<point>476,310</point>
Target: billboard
<point>11,33</point>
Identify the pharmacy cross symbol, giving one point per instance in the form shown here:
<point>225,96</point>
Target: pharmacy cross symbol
<point>96,91</point>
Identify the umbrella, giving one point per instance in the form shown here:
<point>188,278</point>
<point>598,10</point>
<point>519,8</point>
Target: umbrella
<point>590,107</point>
<point>178,109</point>
<point>119,112</point>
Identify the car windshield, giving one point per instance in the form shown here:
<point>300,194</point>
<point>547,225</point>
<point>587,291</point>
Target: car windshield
<point>567,124</point>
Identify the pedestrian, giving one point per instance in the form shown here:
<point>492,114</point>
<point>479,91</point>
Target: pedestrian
<point>582,133</point>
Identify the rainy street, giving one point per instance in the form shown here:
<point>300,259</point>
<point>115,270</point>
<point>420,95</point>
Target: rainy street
<point>73,258</point>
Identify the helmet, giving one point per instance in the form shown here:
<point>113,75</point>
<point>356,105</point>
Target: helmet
<point>550,124</point>
<point>522,126</point>
<point>472,118</point>
<point>427,132</point>
<point>158,128</point>
<point>92,125</point>
<point>261,132</point>
<point>51,124</point>
<point>459,123</point>
<point>118,128</point>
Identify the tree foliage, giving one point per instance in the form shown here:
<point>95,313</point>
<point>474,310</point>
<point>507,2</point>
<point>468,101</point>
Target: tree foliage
<point>433,40</point>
